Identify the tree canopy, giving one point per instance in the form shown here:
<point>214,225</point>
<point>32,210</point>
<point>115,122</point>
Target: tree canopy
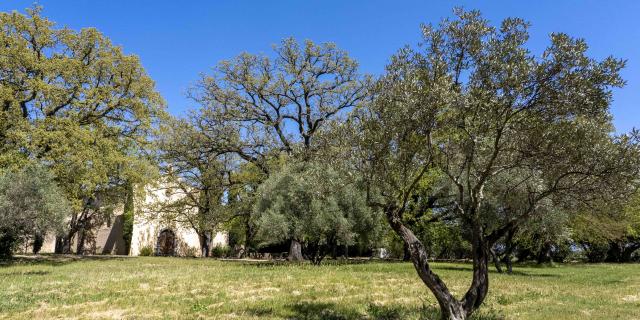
<point>77,104</point>
<point>474,113</point>
<point>257,107</point>
<point>314,205</point>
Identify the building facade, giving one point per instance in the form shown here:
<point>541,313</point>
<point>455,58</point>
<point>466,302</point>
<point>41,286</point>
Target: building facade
<point>152,234</point>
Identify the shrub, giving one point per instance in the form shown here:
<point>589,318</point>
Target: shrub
<point>146,251</point>
<point>30,203</point>
<point>220,251</point>
<point>7,243</point>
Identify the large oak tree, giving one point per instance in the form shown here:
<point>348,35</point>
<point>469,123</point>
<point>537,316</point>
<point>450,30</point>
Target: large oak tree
<point>77,103</point>
<point>261,108</point>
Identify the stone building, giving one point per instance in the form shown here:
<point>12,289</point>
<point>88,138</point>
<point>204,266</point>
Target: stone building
<point>150,233</point>
<point>166,238</point>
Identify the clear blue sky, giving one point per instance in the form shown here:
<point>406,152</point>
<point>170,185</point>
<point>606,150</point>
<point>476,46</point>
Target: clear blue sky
<point>177,40</point>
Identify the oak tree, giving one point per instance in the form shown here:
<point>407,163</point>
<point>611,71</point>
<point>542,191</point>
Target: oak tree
<point>79,104</point>
<point>261,108</point>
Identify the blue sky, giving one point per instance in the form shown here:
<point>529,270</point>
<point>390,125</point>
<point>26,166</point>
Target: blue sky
<point>178,40</point>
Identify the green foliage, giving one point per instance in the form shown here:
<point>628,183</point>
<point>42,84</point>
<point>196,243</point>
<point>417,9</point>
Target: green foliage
<point>445,240</point>
<point>509,137</point>
<point>128,216</point>
<point>610,231</point>
<point>220,252</point>
<point>146,251</point>
<point>315,205</point>
<point>78,104</point>
<point>31,204</point>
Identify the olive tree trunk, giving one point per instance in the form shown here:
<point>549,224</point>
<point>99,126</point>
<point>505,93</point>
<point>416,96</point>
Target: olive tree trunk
<point>295,251</point>
<point>496,261</point>
<point>480,283</point>
<point>450,307</point>
<point>81,241</point>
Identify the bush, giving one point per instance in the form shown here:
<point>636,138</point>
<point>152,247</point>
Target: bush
<point>8,243</point>
<point>220,251</point>
<point>146,251</point>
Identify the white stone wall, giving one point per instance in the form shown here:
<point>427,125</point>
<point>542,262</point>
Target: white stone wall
<point>148,225</point>
<point>49,245</point>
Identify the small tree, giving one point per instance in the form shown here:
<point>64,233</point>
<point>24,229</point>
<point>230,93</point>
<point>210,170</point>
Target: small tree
<point>315,206</point>
<point>194,178</point>
<point>31,204</point>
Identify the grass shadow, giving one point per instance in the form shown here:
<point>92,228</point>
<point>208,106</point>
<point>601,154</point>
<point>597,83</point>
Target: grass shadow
<point>327,262</point>
<point>491,271</point>
<point>333,311</point>
<point>28,273</point>
<point>54,259</point>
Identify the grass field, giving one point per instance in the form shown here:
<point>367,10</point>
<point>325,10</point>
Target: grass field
<point>169,288</point>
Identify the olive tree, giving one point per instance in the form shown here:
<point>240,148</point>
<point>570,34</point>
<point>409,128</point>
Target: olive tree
<point>314,205</point>
<point>473,107</point>
<point>31,205</point>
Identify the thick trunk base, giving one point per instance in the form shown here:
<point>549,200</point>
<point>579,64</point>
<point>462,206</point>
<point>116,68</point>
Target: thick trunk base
<point>205,245</point>
<point>454,311</point>
<point>295,251</point>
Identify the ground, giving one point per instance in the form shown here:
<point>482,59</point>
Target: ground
<point>169,288</point>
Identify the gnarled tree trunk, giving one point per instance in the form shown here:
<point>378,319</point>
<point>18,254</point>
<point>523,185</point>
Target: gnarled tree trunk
<point>508,253</point>
<point>81,241</point>
<point>450,307</point>
<point>295,251</point>
<point>496,260</point>
<point>480,283</point>
<point>205,244</point>
<point>544,256</point>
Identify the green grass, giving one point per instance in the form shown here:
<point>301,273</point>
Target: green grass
<point>169,288</point>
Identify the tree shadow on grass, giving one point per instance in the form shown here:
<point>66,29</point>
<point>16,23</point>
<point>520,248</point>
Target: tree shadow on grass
<point>54,259</point>
<point>283,262</point>
<point>333,311</point>
<point>27,273</point>
<point>514,273</point>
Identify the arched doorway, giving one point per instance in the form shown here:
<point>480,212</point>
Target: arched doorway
<point>166,245</point>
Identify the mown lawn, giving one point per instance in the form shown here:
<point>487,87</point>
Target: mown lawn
<point>169,288</point>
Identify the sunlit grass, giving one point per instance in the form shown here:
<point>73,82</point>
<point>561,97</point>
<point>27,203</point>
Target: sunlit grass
<point>168,288</point>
